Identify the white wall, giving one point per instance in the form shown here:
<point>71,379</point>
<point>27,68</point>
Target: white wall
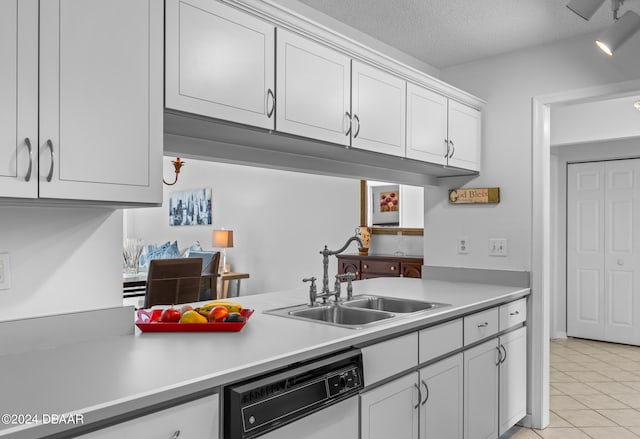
<point>613,149</point>
<point>62,260</point>
<point>508,84</point>
<point>281,220</point>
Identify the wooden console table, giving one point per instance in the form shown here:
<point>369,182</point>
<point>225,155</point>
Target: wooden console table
<point>366,267</point>
<point>229,276</point>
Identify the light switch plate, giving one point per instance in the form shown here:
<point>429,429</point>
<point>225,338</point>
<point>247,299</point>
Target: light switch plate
<point>5,272</point>
<point>498,247</point>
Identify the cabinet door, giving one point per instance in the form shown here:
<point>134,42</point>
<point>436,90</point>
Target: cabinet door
<point>220,62</point>
<point>349,265</point>
<point>195,419</point>
<point>411,269</point>
<point>426,125</point>
<point>378,104</point>
<point>19,103</point>
<point>391,410</point>
<point>101,110</point>
<point>513,378</point>
<point>314,90</point>
<point>481,391</point>
<point>464,136</point>
<point>442,403</point>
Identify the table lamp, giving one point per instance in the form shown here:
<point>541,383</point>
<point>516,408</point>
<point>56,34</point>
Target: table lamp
<point>223,239</point>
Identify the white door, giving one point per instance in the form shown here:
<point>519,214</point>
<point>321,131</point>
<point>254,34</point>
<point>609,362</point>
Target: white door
<point>442,399</point>
<point>339,421</point>
<point>464,136</point>
<point>19,102</point>
<point>426,125</point>
<point>481,391</point>
<point>603,256</point>
<point>101,103</point>
<point>378,104</point>
<point>513,378</point>
<point>314,90</point>
<point>220,62</point>
<point>391,410</point>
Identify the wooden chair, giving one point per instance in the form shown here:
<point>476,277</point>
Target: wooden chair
<point>210,265</point>
<point>173,281</point>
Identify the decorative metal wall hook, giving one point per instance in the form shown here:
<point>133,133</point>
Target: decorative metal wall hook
<point>177,164</point>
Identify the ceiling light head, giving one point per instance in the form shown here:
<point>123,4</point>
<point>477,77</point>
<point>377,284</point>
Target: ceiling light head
<point>636,105</point>
<point>585,8</point>
<point>623,29</point>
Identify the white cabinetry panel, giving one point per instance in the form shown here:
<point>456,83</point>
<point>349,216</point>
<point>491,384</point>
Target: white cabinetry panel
<point>220,62</point>
<point>19,103</point>
<point>481,391</point>
<point>464,136</point>
<point>195,419</point>
<point>378,105</point>
<point>513,378</point>
<point>314,89</point>
<point>426,125</point>
<point>100,101</point>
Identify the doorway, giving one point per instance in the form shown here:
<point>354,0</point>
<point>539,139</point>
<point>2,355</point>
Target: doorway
<point>603,254</point>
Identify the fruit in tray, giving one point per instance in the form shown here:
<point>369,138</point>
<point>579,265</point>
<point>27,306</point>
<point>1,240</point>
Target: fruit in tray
<point>234,317</point>
<point>170,315</point>
<point>231,306</point>
<point>191,316</point>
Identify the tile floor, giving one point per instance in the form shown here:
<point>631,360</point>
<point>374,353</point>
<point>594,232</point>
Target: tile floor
<point>595,392</point>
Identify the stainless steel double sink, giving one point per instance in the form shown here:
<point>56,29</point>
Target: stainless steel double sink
<point>359,312</point>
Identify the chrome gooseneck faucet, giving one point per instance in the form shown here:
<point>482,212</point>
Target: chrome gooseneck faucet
<point>326,292</point>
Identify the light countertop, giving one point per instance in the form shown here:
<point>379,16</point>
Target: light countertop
<point>114,375</point>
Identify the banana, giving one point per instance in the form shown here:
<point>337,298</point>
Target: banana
<point>231,306</point>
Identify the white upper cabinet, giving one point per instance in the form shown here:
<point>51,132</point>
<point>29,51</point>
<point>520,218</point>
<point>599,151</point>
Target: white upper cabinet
<point>426,125</point>
<point>378,107</point>
<point>220,62</point>
<point>100,105</point>
<point>464,136</point>
<point>314,89</point>
<point>19,102</point>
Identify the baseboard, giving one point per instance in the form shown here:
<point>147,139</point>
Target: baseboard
<point>558,335</point>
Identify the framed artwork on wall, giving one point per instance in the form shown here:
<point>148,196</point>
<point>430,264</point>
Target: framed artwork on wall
<point>191,207</point>
<point>385,203</point>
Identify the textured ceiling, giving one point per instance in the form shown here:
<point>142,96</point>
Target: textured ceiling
<point>444,33</point>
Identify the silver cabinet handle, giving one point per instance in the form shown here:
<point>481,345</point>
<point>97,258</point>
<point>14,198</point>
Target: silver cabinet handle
<point>426,388</point>
<point>453,149</point>
<point>28,143</point>
<point>273,105</point>
<point>355,116</point>
<point>499,356</point>
<point>175,434</point>
<point>505,353</point>
<point>515,313</point>
<point>50,174</point>
<point>446,142</point>
<point>483,325</point>
<point>350,123</point>
<point>419,396</point>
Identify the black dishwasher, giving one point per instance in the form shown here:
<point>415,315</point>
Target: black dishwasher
<point>264,403</point>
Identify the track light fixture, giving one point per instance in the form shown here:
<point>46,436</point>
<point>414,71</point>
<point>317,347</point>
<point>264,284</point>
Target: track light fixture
<point>623,28</point>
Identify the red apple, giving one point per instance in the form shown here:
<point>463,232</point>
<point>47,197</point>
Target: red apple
<point>170,315</point>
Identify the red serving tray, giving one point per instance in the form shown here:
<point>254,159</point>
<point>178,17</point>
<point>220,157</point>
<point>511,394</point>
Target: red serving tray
<point>147,322</point>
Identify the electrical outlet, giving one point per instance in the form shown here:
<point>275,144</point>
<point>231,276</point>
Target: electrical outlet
<point>463,245</point>
<point>5,273</point>
<point>498,247</point>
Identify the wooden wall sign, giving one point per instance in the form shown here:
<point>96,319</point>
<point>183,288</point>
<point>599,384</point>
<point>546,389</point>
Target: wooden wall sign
<point>474,196</point>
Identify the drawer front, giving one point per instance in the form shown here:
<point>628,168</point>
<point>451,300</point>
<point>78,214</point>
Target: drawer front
<point>512,314</point>
<point>390,357</point>
<point>480,325</point>
<point>195,419</point>
<point>383,267</point>
<point>439,340</point>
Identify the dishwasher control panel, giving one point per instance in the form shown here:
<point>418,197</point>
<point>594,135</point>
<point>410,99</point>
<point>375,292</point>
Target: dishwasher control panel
<point>265,403</point>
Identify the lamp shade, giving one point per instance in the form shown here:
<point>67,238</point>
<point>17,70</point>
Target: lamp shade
<point>619,33</point>
<point>223,238</point>
<point>585,8</point>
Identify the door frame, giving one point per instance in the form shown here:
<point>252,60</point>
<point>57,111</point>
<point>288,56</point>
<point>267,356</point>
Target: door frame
<point>542,257</point>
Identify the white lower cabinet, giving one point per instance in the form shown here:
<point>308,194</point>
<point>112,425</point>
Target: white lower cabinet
<point>441,408</point>
<point>391,410</point>
<point>195,419</point>
<point>495,385</point>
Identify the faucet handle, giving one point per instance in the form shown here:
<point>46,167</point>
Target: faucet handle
<point>348,277</point>
<point>312,289</point>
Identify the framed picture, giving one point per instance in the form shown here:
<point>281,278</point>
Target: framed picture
<point>192,207</point>
<point>385,205</point>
